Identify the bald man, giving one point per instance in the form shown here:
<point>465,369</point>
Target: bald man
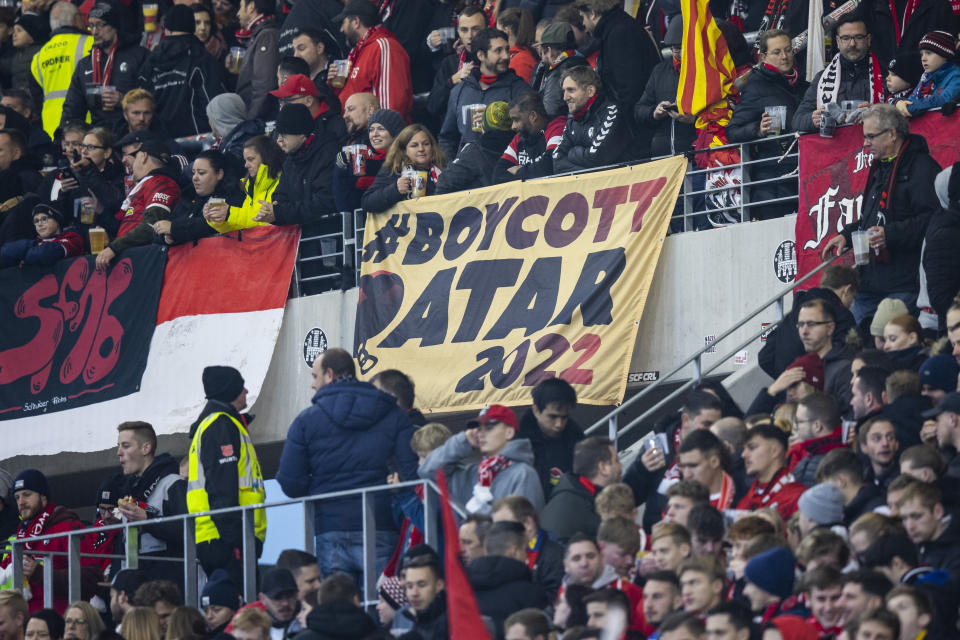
<point>356,114</point>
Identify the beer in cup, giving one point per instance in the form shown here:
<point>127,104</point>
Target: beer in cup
<point>861,247</point>
<point>98,239</point>
<point>150,16</point>
<point>342,69</point>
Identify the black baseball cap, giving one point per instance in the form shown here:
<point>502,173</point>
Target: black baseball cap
<point>136,137</point>
<point>359,9</point>
<point>278,581</point>
<point>950,402</point>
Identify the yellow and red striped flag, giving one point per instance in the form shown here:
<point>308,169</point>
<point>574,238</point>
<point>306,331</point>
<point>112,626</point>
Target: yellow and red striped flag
<point>706,69</point>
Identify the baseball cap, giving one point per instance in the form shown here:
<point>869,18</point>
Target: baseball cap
<point>277,581</point>
<point>950,403</point>
<point>359,9</point>
<point>495,413</point>
<point>557,34</point>
<point>128,581</point>
<point>156,149</point>
<point>136,137</point>
<point>812,366</point>
<point>296,85</point>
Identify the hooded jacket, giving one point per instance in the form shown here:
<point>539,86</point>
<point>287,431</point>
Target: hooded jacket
<point>941,260</point>
<point>571,509</point>
<point>305,192</point>
<point>258,75</point>
<point>242,215</point>
<point>913,204</point>
<point>546,81</point>
<point>165,493</point>
<point>337,621</point>
<point>599,137</point>
<point>503,586</point>
<point>127,60</point>
<point>431,623</point>
<point>346,440</point>
<point>803,458</point>
<point>553,457</point>
<point>183,78</point>
<point>461,462</point>
<point>944,87</point>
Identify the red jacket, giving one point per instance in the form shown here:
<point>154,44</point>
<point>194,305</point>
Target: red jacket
<point>523,61</point>
<point>818,446</point>
<point>781,493</point>
<point>381,66</point>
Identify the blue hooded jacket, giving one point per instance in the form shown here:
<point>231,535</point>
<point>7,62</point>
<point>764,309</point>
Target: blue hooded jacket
<point>345,440</point>
<point>946,87</point>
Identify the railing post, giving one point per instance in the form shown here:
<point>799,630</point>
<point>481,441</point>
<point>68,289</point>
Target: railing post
<point>309,535</point>
<point>369,548</point>
<point>613,426</point>
<point>249,559</point>
<point>687,188</point>
<point>429,515</point>
<point>73,568</point>
<point>190,592</point>
<point>48,581</point>
<point>131,549</point>
<point>16,553</point>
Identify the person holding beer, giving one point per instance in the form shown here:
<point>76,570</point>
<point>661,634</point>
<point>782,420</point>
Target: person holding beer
<point>263,162</point>
<point>152,198</point>
<point>411,170</point>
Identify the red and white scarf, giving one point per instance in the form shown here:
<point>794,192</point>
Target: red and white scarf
<point>724,499</point>
<point>103,77</point>
<point>829,85</point>
<point>490,467</point>
<point>244,35</point>
<point>900,24</point>
<point>31,529</point>
<point>373,32</point>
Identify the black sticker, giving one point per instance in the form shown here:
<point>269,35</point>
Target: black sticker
<point>785,262</point>
<point>313,345</point>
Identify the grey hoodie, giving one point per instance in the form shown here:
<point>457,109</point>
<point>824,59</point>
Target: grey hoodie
<point>460,461</point>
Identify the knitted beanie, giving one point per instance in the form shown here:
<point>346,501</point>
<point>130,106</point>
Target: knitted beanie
<point>772,571</point>
<point>940,42</point>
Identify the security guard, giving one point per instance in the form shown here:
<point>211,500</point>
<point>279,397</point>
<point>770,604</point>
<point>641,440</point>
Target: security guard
<point>52,67</point>
<point>224,472</point>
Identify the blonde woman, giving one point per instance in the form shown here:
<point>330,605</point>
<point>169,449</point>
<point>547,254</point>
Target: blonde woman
<point>414,148</point>
<point>140,623</point>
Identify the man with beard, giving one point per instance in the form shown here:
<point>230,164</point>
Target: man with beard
<point>530,153</point>
<point>378,62</point>
<point>278,597</point>
<point>356,114</point>
<point>306,573</point>
<point>597,132</point>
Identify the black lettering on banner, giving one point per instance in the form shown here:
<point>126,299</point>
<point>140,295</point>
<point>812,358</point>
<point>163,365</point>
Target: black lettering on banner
<point>496,212</point>
<point>386,241</point>
<point>557,345</point>
<point>428,239</point>
<point>540,287</point>
<point>467,219</point>
<point>553,231</point>
<point>427,319</point>
<point>601,270</point>
<point>482,278</point>
<point>517,236</point>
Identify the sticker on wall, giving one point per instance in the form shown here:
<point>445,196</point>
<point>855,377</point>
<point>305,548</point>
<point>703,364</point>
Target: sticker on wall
<point>711,348</point>
<point>765,328</point>
<point>785,261</point>
<point>741,358</point>
<point>313,345</point>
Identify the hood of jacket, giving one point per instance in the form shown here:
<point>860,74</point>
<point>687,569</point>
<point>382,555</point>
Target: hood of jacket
<point>340,620</point>
<point>172,50</point>
<point>354,405</point>
<point>491,572</point>
<point>519,450</point>
<point>162,466</point>
<point>608,575</point>
<point>570,483</point>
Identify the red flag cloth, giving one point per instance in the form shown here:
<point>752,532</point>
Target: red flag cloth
<point>463,615</point>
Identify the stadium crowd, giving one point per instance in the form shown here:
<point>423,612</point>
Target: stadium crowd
<point>825,510</point>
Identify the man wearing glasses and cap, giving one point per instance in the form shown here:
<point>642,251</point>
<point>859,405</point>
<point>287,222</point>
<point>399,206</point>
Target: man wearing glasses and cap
<point>504,469</point>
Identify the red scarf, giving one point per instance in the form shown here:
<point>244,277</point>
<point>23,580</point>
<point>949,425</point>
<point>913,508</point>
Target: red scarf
<point>727,489</point>
<point>676,65</point>
<point>900,26</point>
<point>822,445</point>
<point>372,32</point>
<point>673,471</point>
<point>31,529</point>
<point>103,77</point>
<point>244,34</point>
<point>463,59</point>
<point>589,486</point>
<point>581,113</point>
<point>488,80</point>
<point>824,632</point>
<point>490,467</point>
<point>792,76</point>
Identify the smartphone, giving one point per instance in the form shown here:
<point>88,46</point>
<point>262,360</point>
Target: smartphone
<point>672,107</point>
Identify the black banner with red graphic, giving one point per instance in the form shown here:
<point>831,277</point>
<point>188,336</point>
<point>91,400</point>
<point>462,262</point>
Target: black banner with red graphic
<point>72,335</point>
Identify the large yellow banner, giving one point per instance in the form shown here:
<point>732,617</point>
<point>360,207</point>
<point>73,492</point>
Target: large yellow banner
<point>480,295</point>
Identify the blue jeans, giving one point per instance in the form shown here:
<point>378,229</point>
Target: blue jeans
<point>343,551</point>
<point>865,304</point>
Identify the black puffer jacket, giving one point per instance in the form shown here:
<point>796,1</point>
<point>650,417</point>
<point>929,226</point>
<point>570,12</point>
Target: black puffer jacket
<point>670,136</point>
<point>599,138</point>
<point>473,166</point>
<point>126,63</point>
<point>315,14</point>
<point>941,260</point>
<point>183,78</point>
<point>305,192</point>
<point>854,81</point>
<point>503,586</point>
<point>928,16</point>
<point>914,203</point>
<point>337,621</point>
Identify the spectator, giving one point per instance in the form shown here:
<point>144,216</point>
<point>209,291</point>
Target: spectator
<point>141,623</point>
<point>472,533</point>
<point>425,592</point>
<point>661,597</point>
<point>310,46</point>
<point>208,33</point>
<point>20,102</point>
<point>305,570</point>
<point>878,624</point>
<point>155,195</point>
<point>903,342</point>
<point>652,473</point>
<point>211,178</point>
<point>401,387</point>
<point>570,610</point>
<point>492,81</point>
<point>896,33</point>
<point>898,217</point>
<point>682,497</point>
<point>312,461</point>
<point>801,378</point>
<point>842,468</point>
<point>303,194</point>
<point>544,555</point>
<point>474,165</point>
<point>657,108</point>
<point>953,327</point>
<point>384,69</point>
<point>817,431</point>
<point>263,161</point>
<point>863,590</point>
<point>729,620</point>
<point>383,126</point>
<point>53,243</point>
<point>701,584</point>
<point>42,625</point>
<point>527,624</point>
<point>278,597</point>
<point>54,64</point>
<point>113,62</point>
<point>30,32</point>
<point>597,129</point>
<point>922,462</point>
<point>701,458</point>
<point>505,468</point>
<point>914,610</point>
<point>457,66</point>
<point>559,52</point>
<point>139,109</point>
<point>81,621</point>
<point>161,597</point>
<point>356,114</point>
<point>583,565</point>
<point>921,508</point>
<point>186,623</point>
<point>682,626</point>
<point>820,506</point>
<point>251,623</point>
<point>260,34</point>
<point>122,590</point>
<point>878,442</point>
<point>181,76</point>
<point>822,587</point>
<point>219,600</point>
<point>518,25</point>
<point>391,599</point>
<point>530,152</point>
<point>947,416</point>
<point>99,173</point>
<point>227,114</point>
<point>224,472</point>
<point>816,324</point>
<point>627,54</point>
<point>853,74</point>
<point>776,83</point>
<point>607,609</point>
<point>571,508</point>
<point>552,433</point>
<point>940,82</point>
<point>941,267</point>
<point>670,545</point>
<point>773,486</point>
<point>414,148</point>
<point>903,75</point>
<point>339,613</point>
<point>769,581</point>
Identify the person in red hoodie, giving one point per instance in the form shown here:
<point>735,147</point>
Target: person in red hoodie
<point>773,487</point>
<point>817,426</point>
<point>378,62</point>
<point>39,516</point>
<point>52,243</point>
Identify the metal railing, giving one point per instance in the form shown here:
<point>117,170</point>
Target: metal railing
<point>612,420</point>
<point>131,557</point>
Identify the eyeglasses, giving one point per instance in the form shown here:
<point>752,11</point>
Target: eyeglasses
<point>848,39</point>
<point>91,147</point>
<point>71,144</point>
<point>97,25</point>
<point>812,323</point>
<point>41,219</point>
<point>78,621</point>
<point>873,136</point>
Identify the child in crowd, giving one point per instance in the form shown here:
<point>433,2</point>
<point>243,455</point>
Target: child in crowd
<point>940,82</point>
<point>52,243</point>
<point>903,74</point>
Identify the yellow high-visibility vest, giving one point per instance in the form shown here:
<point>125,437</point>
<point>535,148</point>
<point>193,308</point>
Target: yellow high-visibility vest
<point>52,67</point>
